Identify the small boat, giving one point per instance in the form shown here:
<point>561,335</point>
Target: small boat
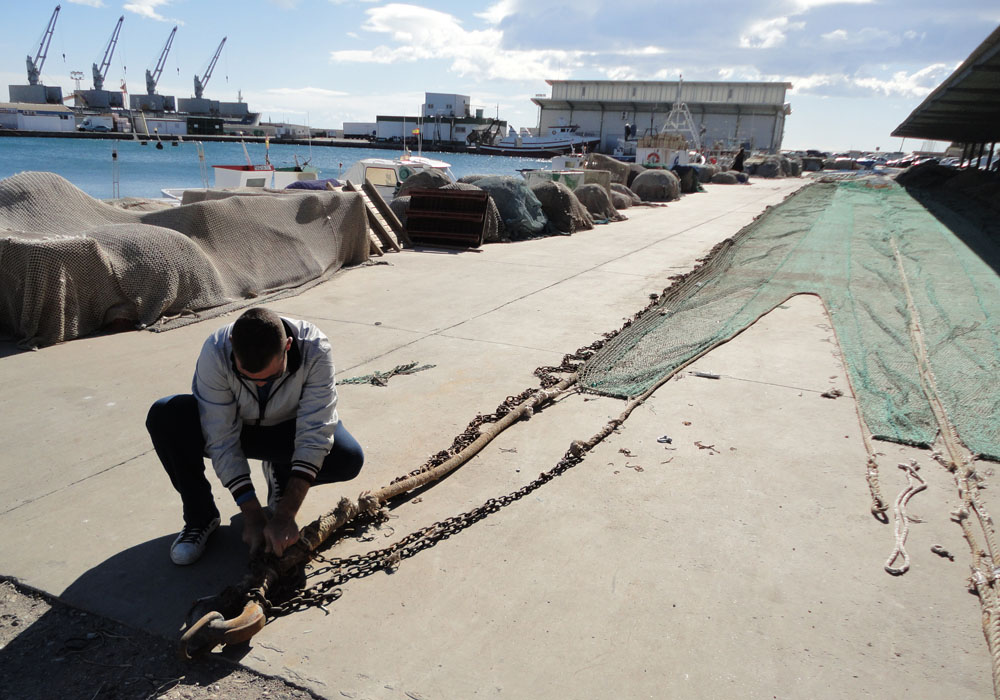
<point>386,174</point>
<point>227,176</point>
<point>284,176</point>
<point>557,140</point>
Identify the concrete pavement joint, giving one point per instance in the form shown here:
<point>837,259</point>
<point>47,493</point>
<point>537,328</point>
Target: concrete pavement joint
<point>443,331</point>
<point>557,353</point>
<point>782,386</point>
<point>74,483</point>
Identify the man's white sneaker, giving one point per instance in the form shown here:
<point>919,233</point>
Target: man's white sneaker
<point>190,543</point>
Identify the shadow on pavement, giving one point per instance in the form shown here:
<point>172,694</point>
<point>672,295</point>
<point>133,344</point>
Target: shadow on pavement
<point>142,588</point>
<point>120,625</point>
<point>975,225</point>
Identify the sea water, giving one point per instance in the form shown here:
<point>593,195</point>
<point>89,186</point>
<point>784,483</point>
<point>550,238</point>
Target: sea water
<point>143,171</point>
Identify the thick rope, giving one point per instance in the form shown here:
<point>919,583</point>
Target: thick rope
<point>382,378</point>
<point>960,463</point>
<point>266,570</point>
<point>914,485</point>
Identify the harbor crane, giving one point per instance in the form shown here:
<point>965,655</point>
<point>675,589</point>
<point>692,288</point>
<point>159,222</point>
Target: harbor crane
<point>101,72</point>
<point>35,65</point>
<point>153,78</point>
<point>199,85</point>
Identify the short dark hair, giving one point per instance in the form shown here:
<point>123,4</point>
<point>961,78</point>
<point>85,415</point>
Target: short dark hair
<point>258,337</point>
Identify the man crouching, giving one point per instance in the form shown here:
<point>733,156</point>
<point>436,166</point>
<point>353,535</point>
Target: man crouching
<point>263,389</point>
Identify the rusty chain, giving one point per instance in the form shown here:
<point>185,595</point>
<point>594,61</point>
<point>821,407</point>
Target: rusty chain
<point>358,566</point>
<point>295,594</point>
<point>292,592</point>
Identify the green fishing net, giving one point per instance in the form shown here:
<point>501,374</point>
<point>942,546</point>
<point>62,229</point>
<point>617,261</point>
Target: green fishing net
<point>858,245</point>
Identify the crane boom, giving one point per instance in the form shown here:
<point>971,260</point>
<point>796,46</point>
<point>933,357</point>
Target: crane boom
<point>153,78</point>
<point>199,85</point>
<point>101,72</point>
<point>35,65</point>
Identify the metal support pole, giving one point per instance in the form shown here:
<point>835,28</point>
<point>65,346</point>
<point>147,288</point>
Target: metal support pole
<point>989,160</point>
<point>979,160</point>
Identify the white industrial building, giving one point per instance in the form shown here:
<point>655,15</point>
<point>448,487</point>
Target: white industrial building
<point>726,114</point>
<point>36,117</point>
<point>445,120</point>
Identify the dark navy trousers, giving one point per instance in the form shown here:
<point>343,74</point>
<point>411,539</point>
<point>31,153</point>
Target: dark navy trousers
<point>175,428</point>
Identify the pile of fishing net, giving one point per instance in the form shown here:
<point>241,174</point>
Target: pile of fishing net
<point>598,202</point>
<point>520,210</point>
<point>622,197</point>
<point>562,207</point>
<point>619,170</point>
<point>764,166</point>
<point>965,189</point>
<point>423,179</point>
<point>72,265</point>
<point>656,185</point>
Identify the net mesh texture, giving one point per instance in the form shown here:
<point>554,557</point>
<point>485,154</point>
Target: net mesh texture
<point>71,265</point>
<point>839,241</point>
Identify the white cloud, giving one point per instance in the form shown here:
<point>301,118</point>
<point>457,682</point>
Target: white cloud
<point>644,51</point>
<point>495,13</point>
<point>806,5</point>
<point>418,32</point>
<point>380,54</point>
<point>147,8</point>
<point>901,83</point>
<point>619,73</point>
<point>768,33</point>
<point>306,92</point>
<point>353,35</point>
<point>836,35</point>
<point>865,35</point>
<point>88,3</point>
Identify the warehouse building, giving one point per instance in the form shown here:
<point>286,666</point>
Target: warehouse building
<point>23,116</point>
<point>726,114</point>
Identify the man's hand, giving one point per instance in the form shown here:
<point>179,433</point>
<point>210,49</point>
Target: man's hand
<point>254,523</point>
<point>280,533</point>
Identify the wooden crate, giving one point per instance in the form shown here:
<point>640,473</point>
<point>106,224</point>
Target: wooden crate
<point>452,218</point>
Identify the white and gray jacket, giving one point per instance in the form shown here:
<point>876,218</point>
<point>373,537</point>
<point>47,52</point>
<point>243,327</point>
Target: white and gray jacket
<point>305,392</point>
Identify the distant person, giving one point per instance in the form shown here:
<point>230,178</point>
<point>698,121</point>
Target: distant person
<point>263,389</point>
<point>738,160</point>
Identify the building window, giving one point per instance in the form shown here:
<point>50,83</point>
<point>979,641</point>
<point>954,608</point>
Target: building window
<point>430,106</point>
<point>633,91</point>
<point>730,93</point>
<point>583,91</point>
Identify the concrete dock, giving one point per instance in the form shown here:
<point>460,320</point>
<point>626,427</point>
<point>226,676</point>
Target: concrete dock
<point>738,560</point>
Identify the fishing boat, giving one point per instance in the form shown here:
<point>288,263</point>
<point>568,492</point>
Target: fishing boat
<point>556,140</point>
<point>227,176</point>
<point>386,174</point>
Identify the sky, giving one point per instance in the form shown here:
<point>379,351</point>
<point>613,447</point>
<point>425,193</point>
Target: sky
<point>857,67</point>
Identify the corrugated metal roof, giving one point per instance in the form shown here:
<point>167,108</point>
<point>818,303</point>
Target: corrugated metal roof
<point>664,91</point>
<point>30,107</point>
<point>966,106</point>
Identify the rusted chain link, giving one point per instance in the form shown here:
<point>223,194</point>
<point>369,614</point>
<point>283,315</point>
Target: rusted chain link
<point>359,566</point>
<point>289,593</point>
